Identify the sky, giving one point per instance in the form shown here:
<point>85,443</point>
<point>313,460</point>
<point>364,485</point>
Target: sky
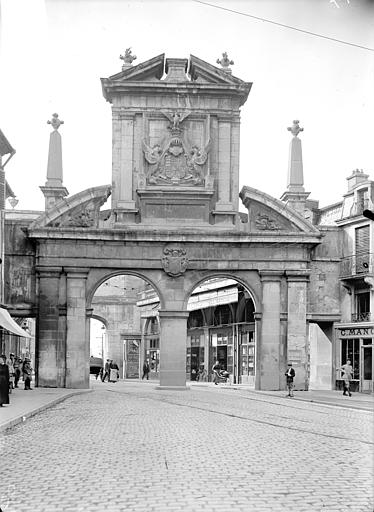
<point>54,52</point>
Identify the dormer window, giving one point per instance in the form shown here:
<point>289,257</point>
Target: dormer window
<point>362,200</point>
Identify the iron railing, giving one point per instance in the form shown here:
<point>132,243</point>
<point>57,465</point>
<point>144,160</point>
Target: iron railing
<point>356,265</point>
<point>361,317</point>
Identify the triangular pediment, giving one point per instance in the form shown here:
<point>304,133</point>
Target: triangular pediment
<point>201,71</point>
<point>152,68</point>
<point>268,214</point>
<point>81,210</point>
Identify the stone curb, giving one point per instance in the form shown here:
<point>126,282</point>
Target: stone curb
<point>21,419</point>
<point>298,398</point>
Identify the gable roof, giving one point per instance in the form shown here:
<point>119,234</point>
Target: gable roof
<point>199,74</point>
<point>201,70</point>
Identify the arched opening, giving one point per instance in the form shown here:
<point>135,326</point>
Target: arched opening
<point>124,330</point>
<point>221,327</point>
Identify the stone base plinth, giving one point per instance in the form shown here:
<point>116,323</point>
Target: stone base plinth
<point>179,206</point>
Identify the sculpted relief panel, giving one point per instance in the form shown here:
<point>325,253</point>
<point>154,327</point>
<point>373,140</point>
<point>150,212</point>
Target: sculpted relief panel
<point>172,157</point>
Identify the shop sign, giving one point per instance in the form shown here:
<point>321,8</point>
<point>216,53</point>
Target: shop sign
<point>357,332</point>
<point>132,363</point>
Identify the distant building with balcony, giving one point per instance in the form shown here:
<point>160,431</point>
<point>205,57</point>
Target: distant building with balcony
<point>353,334</point>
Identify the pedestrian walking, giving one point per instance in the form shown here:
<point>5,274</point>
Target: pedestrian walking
<point>27,373</point>
<point>10,363</point>
<point>216,368</point>
<point>290,374</point>
<point>17,370</point>
<point>113,372</point>
<point>146,370</point>
<point>106,370</point>
<point>4,382</point>
<point>347,377</point>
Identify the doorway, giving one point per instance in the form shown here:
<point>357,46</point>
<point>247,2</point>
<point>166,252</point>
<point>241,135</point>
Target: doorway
<point>366,384</point>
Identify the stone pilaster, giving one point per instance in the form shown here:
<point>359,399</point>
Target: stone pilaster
<point>123,149</point>
<point>173,342</point>
<point>235,157</point>
<point>297,340</point>
<point>50,363</point>
<point>258,325</point>
<point>77,345</point>
<point>268,377</point>
<point>224,211</point>
<point>224,163</point>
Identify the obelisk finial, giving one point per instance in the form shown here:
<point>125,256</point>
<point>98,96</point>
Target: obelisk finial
<point>55,122</point>
<point>295,129</point>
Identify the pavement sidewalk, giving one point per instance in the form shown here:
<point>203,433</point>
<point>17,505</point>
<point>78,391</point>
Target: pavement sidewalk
<point>24,404</point>
<point>360,401</point>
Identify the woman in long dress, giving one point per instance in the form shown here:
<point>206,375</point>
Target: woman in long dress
<point>4,382</point>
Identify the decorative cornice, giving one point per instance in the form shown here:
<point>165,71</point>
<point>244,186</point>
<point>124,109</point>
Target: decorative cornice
<point>48,271</point>
<point>297,275</point>
<point>271,275</point>
<point>170,313</point>
<point>76,272</point>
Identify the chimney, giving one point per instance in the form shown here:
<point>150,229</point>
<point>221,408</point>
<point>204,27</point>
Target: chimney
<point>357,176</point>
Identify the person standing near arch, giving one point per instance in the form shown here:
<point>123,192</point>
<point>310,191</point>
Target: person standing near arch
<point>347,377</point>
<point>146,370</point>
<point>106,371</point>
<point>4,382</point>
<point>290,374</point>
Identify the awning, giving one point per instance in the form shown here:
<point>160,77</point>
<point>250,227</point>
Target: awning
<point>7,322</point>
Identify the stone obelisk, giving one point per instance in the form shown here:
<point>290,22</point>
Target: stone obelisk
<point>54,190</point>
<point>295,196</point>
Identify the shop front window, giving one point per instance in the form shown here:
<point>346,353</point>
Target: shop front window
<point>362,306</point>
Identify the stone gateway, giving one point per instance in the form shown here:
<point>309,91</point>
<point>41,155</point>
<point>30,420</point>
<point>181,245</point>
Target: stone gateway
<point>173,220</point>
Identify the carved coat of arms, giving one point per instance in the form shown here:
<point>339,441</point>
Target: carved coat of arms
<point>175,162</point>
<point>174,261</point>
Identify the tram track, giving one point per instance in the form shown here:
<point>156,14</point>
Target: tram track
<point>245,418</point>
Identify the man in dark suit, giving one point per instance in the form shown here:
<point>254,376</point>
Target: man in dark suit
<point>146,370</point>
<point>106,370</point>
<point>290,374</point>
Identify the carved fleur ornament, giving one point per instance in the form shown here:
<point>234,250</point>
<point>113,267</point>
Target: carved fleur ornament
<point>174,161</point>
<point>295,129</point>
<point>55,122</point>
<point>225,61</point>
<point>174,261</point>
<point>127,58</point>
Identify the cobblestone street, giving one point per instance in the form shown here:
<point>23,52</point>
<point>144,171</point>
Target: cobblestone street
<point>130,447</point>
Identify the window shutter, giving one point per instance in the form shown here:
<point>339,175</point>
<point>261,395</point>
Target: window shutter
<point>362,244</point>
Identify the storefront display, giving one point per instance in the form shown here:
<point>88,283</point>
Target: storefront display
<point>355,343</point>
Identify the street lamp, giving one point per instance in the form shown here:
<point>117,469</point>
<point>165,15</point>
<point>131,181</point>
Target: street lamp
<point>102,342</point>
<point>369,214</point>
